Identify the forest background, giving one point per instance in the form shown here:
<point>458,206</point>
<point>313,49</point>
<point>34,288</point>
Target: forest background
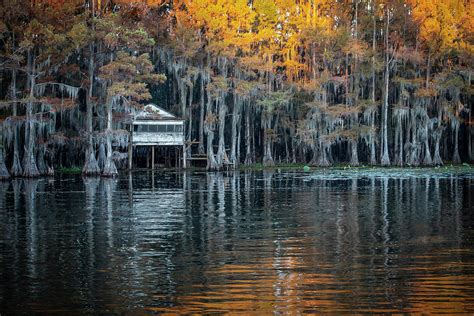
<point>319,82</point>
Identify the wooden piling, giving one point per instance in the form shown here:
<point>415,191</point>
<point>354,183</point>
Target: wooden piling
<point>130,149</point>
<point>184,155</point>
<point>153,157</point>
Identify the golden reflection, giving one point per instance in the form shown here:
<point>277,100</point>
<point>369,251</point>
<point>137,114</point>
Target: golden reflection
<point>281,284</point>
<point>269,285</point>
<point>441,294</point>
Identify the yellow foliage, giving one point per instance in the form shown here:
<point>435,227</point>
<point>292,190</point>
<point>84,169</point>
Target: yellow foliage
<point>444,24</point>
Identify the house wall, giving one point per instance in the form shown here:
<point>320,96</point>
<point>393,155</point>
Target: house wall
<point>158,138</point>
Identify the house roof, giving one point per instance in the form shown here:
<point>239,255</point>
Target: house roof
<point>154,112</point>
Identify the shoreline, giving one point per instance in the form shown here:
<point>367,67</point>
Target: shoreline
<point>294,167</point>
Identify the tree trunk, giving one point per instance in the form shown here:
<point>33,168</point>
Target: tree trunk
<point>102,157</point>
<point>427,161</point>
<point>235,121</point>
<point>248,145</point>
<point>211,159</point>
<point>428,70</point>
<point>30,169</point>
<point>201,120</point>
<point>42,166</point>
<point>354,156</point>
<point>221,154</point>
<point>3,168</point>
<point>109,169</point>
<point>385,159</point>
<point>267,146</point>
<point>239,136</point>
<point>437,161</point>
<point>323,157</point>
<point>400,151</point>
<point>91,167</point>
<point>16,169</point>
<point>456,158</point>
<point>374,32</point>
<point>373,159</point>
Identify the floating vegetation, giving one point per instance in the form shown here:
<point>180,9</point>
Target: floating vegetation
<point>464,171</point>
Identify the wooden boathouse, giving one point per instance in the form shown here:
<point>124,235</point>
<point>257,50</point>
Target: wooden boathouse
<point>155,129</point>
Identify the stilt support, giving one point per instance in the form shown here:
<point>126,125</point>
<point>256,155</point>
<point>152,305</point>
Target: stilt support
<point>153,157</point>
<point>130,149</point>
<point>184,156</point>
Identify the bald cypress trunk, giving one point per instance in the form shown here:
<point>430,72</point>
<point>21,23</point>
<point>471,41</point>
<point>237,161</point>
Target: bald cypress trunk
<point>373,159</point>
<point>211,159</point>
<point>3,168</point>
<point>30,169</point>
<point>323,160</point>
<point>16,169</point>
<point>235,121</point>
<point>427,161</point>
<point>110,170</point>
<point>354,156</point>
<point>248,140</point>
<point>385,159</point>
<point>201,119</point>
<point>456,158</point>
<point>267,145</point>
<point>437,161</point>
<point>221,157</point>
<point>102,156</point>
<point>91,167</point>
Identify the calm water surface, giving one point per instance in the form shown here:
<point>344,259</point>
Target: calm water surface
<point>253,242</point>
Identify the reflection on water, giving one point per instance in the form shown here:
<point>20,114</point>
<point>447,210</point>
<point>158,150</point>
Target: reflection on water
<point>258,242</point>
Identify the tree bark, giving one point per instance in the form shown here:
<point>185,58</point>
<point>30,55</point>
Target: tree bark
<point>456,158</point>
<point>201,120</point>
<point>30,169</point>
<point>110,170</point>
<point>3,168</point>
<point>221,154</point>
<point>267,146</point>
<point>91,167</point>
<point>437,161</point>
<point>354,156</point>
<point>235,122</point>
<point>211,159</point>
<point>248,145</point>
<point>16,169</point>
<point>385,159</point>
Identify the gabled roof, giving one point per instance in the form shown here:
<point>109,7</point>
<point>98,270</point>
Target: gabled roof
<point>154,112</point>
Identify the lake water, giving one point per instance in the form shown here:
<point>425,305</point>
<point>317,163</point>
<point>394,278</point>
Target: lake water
<point>253,242</point>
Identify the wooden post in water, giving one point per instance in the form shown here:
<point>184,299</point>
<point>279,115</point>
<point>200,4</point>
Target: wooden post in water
<point>176,157</point>
<point>184,155</point>
<point>153,157</point>
<point>130,148</point>
<point>148,159</point>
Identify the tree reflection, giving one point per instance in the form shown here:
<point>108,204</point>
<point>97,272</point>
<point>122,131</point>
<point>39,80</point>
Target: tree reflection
<point>270,242</point>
